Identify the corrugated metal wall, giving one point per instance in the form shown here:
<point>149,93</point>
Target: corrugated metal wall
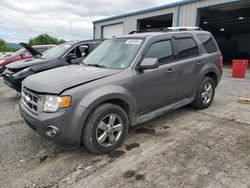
<point>188,12</point>
<point>187,17</point>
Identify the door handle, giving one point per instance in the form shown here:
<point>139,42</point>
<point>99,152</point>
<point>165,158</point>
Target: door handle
<point>200,62</point>
<point>170,71</point>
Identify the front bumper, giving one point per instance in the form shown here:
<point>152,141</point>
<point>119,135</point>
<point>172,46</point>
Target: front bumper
<point>11,81</point>
<point>68,121</point>
<point>1,70</point>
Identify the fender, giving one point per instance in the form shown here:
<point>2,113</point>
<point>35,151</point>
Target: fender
<point>108,92</point>
<point>205,70</point>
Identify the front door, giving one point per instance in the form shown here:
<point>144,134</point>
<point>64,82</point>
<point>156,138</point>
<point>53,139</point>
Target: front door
<point>157,87</point>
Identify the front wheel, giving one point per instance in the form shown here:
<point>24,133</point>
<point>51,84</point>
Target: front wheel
<point>105,129</point>
<point>205,93</point>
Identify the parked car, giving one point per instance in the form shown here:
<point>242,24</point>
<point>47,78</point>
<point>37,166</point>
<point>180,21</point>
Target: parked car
<point>28,52</point>
<point>65,54</point>
<point>6,54</point>
<point>126,81</point>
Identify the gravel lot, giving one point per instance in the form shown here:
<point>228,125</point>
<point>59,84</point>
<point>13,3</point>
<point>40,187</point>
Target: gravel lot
<point>185,148</point>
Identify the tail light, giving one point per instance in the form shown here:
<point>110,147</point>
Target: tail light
<point>221,60</point>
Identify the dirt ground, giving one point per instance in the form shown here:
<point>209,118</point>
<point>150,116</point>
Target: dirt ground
<point>185,148</point>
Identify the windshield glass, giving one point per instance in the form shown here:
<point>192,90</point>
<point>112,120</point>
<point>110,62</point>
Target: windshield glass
<point>56,52</point>
<point>114,53</point>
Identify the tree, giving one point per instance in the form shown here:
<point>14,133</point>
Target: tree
<point>5,48</point>
<point>45,39</point>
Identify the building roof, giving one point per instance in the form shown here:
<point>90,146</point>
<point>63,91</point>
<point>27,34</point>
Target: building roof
<point>169,5</point>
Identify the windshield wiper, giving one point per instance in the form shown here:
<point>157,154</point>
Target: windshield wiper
<point>96,65</point>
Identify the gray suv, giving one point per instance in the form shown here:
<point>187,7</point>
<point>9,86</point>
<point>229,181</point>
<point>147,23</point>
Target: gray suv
<point>126,81</point>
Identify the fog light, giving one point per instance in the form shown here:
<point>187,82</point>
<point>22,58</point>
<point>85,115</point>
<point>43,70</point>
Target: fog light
<point>52,131</point>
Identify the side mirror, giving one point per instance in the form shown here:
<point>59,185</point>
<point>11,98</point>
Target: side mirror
<point>149,63</point>
<point>77,60</point>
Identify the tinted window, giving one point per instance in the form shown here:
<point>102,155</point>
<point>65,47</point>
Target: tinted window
<point>161,50</point>
<point>208,43</point>
<point>186,47</point>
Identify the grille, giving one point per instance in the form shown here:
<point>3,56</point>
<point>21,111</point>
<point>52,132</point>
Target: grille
<point>31,100</point>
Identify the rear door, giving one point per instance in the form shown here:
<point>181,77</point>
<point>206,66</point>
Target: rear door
<point>157,87</point>
<point>190,61</point>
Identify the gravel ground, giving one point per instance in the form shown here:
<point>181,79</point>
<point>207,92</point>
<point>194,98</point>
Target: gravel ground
<point>185,148</point>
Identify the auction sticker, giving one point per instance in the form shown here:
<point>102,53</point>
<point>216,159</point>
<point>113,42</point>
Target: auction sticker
<point>133,41</point>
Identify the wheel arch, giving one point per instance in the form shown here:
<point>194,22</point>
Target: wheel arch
<point>112,94</point>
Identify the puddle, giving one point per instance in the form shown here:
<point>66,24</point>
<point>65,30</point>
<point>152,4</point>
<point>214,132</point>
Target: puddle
<point>132,146</point>
<point>144,131</point>
<point>116,154</point>
<point>139,177</point>
<point>129,174</point>
<point>133,173</point>
<point>42,159</point>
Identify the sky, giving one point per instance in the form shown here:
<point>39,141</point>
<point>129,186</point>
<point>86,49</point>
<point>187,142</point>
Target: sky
<point>21,20</point>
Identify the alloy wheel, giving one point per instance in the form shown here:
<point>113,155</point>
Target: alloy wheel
<point>207,93</point>
<point>109,130</point>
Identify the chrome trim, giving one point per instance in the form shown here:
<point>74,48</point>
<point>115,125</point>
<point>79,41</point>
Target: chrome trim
<point>32,101</point>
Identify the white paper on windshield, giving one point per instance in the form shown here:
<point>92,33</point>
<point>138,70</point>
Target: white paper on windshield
<point>133,41</point>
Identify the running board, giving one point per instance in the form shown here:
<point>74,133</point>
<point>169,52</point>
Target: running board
<point>153,114</point>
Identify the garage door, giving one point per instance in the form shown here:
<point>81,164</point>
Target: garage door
<point>110,31</point>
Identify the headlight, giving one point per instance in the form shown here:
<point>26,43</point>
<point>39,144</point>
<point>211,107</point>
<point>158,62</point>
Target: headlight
<point>1,61</point>
<point>53,103</point>
<point>22,71</point>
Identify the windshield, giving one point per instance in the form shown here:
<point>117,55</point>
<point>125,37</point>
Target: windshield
<point>56,52</point>
<point>114,53</point>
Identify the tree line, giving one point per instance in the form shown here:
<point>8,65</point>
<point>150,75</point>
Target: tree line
<point>39,40</point>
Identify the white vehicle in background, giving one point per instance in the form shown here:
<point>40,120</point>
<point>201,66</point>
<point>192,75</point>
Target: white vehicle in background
<point>6,54</point>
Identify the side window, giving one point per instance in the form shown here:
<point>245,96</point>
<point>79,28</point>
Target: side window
<point>162,51</point>
<point>208,43</point>
<point>79,51</point>
<point>186,48</point>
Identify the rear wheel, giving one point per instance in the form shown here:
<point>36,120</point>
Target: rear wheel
<point>105,129</point>
<point>205,93</point>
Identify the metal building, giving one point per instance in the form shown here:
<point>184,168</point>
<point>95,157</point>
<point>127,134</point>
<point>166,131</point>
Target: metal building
<point>228,20</point>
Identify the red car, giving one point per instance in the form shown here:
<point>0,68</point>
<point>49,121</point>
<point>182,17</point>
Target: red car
<point>27,52</point>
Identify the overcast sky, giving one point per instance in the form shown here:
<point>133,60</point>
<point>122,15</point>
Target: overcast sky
<point>23,19</point>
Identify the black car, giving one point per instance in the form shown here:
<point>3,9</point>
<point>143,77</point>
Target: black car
<point>62,55</point>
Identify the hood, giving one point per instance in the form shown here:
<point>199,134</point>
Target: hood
<point>26,63</point>
<point>32,50</point>
<point>57,80</point>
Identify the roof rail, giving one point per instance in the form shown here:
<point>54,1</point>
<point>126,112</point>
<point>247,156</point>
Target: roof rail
<point>182,29</point>
<point>167,29</point>
<point>146,30</point>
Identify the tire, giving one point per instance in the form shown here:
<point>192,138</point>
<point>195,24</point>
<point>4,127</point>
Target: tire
<point>200,101</point>
<point>99,126</point>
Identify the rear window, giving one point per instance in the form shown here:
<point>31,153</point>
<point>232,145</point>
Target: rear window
<point>186,48</point>
<point>208,43</point>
